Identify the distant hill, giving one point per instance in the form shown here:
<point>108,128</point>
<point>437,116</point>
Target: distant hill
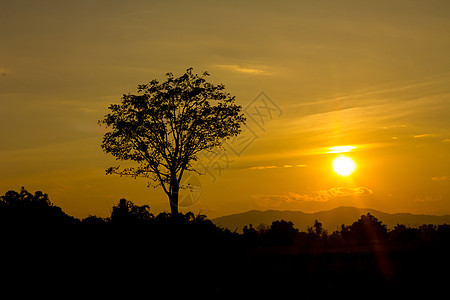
<point>331,219</point>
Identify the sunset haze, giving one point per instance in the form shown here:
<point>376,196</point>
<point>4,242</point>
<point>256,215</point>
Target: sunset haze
<point>368,80</point>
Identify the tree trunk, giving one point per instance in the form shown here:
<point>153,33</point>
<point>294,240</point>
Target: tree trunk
<point>173,197</point>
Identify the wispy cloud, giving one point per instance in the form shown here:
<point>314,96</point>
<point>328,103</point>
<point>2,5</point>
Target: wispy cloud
<point>275,167</point>
<point>427,198</point>
<point>384,94</point>
<point>418,136</point>
<point>389,107</point>
<point>394,126</point>
<point>341,149</point>
<point>441,178</point>
<point>262,167</point>
<point>317,196</point>
<point>246,70</point>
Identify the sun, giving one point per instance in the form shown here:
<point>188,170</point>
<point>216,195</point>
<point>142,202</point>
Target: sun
<point>344,165</point>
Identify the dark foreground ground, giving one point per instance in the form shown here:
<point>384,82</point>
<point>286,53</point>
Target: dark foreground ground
<point>134,254</point>
<point>126,262</point>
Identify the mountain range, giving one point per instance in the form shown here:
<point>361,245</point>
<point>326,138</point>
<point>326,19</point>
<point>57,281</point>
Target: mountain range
<point>330,219</point>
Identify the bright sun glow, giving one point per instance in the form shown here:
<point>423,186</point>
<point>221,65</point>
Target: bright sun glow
<point>344,165</point>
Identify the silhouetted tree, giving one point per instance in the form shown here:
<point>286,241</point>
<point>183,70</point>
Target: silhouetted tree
<point>262,228</point>
<point>427,232</point>
<point>443,234</point>
<point>403,234</point>
<point>249,234</point>
<point>335,238</point>
<point>367,228</point>
<point>318,228</point>
<point>282,233</point>
<point>165,126</point>
<point>26,209</point>
<point>24,199</point>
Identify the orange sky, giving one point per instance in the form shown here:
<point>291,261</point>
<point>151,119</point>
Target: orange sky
<point>370,74</point>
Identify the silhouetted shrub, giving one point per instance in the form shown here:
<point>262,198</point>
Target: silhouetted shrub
<point>127,213</point>
<point>26,209</point>
<point>94,220</point>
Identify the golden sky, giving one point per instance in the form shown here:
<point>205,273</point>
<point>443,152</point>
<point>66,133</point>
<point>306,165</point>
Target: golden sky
<point>312,75</point>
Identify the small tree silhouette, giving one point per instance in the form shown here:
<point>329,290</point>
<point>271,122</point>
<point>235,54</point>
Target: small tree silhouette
<point>282,233</point>
<point>127,213</point>
<point>26,209</point>
<point>367,228</point>
<point>249,234</point>
<point>318,228</point>
<point>165,126</point>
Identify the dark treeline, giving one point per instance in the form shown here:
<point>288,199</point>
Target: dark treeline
<point>26,212</point>
<point>367,231</point>
<point>19,210</point>
<point>188,253</point>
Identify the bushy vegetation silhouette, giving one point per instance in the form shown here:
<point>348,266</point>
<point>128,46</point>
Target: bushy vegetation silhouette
<point>25,209</point>
<point>188,253</point>
<point>127,213</point>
